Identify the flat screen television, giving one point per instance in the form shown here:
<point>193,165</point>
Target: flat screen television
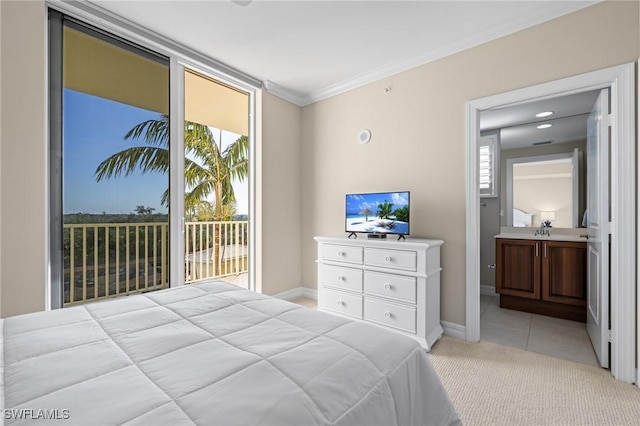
<point>377,214</point>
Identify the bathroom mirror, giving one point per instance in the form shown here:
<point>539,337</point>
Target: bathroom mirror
<point>545,188</point>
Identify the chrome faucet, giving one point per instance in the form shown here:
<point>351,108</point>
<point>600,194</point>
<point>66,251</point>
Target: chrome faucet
<point>544,230</point>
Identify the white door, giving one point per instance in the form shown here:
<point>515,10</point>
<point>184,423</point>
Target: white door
<point>597,219</point>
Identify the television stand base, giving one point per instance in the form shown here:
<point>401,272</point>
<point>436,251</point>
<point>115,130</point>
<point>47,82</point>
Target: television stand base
<point>377,236</point>
<point>401,237</point>
<point>352,234</point>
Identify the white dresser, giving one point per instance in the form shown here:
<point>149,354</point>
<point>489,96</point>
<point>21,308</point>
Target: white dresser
<point>394,284</point>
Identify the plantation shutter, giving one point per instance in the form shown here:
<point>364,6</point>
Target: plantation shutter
<point>488,165</point>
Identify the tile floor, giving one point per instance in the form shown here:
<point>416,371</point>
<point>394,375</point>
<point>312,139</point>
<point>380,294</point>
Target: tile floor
<point>536,333</point>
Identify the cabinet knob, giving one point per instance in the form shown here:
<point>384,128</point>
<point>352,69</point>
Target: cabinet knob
<point>387,259</point>
<point>341,254</point>
<point>387,314</point>
<point>340,303</point>
<point>387,286</point>
<point>341,278</point>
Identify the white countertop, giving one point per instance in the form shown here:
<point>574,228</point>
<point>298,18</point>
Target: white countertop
<point>552,237</point>
<point>557,234</point>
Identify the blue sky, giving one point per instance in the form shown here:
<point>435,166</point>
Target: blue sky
<point>355,203</point>
<point>94,129</point>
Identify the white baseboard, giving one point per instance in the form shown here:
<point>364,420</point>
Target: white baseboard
<point>294,293</point>
<point>488,290</point>
<point>454,330</point>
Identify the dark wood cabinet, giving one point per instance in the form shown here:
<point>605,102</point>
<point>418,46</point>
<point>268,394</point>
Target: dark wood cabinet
<point>543,277</point>
<point>518,268</point>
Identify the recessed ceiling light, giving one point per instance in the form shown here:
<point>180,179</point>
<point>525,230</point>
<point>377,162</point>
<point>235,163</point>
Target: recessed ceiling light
<point>544,126</point>
<point>544,114</point>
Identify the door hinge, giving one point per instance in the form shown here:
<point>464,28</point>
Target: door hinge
<point>608,336</point>
<point>607,119</point>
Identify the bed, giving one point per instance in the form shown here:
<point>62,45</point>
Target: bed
<point>213,354</point>
<point>521,218</point>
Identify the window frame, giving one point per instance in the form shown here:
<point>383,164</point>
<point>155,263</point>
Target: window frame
<point>180,57</point>
<point>491,141</point>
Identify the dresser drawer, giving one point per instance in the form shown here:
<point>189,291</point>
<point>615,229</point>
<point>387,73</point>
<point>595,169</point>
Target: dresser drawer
<point>392,286</point>
<point>338,253</point>
<point>344,303</point>
<point>390,314</point>
<point>338,276</point>
<point>395,259</point>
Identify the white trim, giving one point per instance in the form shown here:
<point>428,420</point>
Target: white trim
<point>294,293</point>
<point>638,245</point>
<point>254,224</point>
<point>176,174</point>
<point>623,272</point>
<point>453,330</point>
<point>623,230</point>
<point>491,33</point>
<point>472,222</point>
<point>283,92</point>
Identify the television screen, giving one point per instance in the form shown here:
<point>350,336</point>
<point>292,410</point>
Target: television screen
<point>378,213</point>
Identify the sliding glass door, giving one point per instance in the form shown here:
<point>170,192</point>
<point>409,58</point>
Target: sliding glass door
<point>217,166</point>
<point>151,169</point>
<point>110,165</point>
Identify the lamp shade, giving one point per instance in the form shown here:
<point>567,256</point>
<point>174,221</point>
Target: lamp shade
<point>547,216</point>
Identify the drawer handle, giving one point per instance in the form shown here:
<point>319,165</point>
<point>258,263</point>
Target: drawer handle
<point>387,259</point>
<point>341,254</point>
<point>341,278</point>
<point>340,303</point>
<point>387,286</point>
<point>387,314</point>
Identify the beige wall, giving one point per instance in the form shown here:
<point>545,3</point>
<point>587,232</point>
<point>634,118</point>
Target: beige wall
<point>23,159</point>
<point>281,192</point>
<point>0,157</point>
<point>418,129</point>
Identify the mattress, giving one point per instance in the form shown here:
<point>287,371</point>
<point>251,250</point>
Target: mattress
<point>213,354</point>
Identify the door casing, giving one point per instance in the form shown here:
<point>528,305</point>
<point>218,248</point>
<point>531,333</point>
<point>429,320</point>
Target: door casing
<point>621,80</point>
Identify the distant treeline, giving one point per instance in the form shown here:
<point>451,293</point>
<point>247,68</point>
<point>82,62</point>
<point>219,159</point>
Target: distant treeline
<point>78,218</point>
<point>114,218</point>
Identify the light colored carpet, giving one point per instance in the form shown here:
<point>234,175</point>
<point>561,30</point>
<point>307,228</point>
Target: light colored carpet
<point>491,384</point>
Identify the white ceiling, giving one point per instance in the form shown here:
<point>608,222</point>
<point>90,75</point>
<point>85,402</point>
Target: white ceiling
<point>310,50</point>
<point>518,124</point>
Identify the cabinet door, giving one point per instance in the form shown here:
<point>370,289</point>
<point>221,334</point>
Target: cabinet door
<point>518,268</point>
<point>564,267</point>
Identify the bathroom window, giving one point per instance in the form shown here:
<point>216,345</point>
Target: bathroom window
<point>489,160</point>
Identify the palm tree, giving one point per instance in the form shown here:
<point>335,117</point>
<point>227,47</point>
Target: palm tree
<point>212,171</point>
<point>385,209</point>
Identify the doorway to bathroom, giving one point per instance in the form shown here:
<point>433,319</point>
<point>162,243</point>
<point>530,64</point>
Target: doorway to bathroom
<point>541,179</point>
<point>620,229</point>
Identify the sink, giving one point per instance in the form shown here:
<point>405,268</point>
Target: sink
<point>552,237</point>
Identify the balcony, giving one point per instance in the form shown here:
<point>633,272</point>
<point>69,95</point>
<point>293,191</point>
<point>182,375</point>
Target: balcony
<point>115,259</point>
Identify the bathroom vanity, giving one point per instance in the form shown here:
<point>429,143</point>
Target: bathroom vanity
<point>545,275</point>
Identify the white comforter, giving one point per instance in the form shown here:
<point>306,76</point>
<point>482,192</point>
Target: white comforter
<point>213,354</point>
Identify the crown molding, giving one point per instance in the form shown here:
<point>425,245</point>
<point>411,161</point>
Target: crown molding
<point>554,10</point>
<point>284,93</point>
